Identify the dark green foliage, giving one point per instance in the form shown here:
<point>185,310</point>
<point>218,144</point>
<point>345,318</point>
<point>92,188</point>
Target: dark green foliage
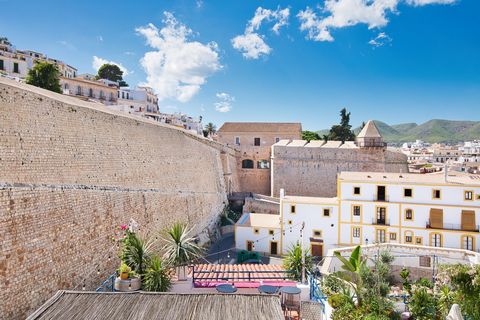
<point>5,41</point>
<point>310,135</point>
<point>136,252</point>
<point>110,72</point>
<point>343,131</point>
<point>45,75</point>
<point>156,276</point>
<point>423,304</point>
<point>209,129</point>
<point>292,262</point>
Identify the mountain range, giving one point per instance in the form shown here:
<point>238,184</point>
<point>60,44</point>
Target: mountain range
<point>433,131</point>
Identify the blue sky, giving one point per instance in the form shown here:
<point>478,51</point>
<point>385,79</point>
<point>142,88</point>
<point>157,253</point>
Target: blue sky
<point>392,60</point>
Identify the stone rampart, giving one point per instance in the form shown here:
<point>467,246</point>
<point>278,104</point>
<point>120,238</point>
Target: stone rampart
<point>71,171</point>
<point>312,171</point>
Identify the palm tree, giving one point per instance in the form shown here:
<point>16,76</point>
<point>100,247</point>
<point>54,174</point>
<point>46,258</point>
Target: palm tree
<point>210,128</point>
<point>136,252</point>
<point>156,277</point>
<point>352,268</point>
<point>293,261</point>
<point>180,247</point>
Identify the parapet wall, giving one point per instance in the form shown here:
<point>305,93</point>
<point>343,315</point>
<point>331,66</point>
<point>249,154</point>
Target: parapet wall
<point>312,170</point>
<point>71,171</point>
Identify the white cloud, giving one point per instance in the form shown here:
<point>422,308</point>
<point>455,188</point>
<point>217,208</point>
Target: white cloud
<point>252,44</point>
<point>225,103</point>
<point>97,62</point>
<point>100,38</point>
<point>346,13</point>
<point>426,2</point>
<point>380,40</point>
<point>67,44</point>
<point>178,67</point>
<point>129,53</point>
<point>199,3</point>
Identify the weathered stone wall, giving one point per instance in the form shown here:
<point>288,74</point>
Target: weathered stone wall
<point>71,171</point>
<point>312,171</point>
<point>262,204</point>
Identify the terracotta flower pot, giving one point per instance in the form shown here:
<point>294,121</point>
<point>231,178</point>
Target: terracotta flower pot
<point>124,275</point>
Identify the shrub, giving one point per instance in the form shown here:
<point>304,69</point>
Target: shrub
<point>156,277</point>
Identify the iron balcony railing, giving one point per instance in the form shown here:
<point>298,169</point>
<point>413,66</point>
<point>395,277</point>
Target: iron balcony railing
<point>452,226</point>
<point>381,222</point>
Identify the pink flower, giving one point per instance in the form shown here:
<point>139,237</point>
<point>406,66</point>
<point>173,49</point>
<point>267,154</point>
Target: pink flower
<point>123,227</point>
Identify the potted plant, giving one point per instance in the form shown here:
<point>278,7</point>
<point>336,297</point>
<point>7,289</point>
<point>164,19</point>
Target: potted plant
<point>124,271</point>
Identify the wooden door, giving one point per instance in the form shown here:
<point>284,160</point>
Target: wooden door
<point>274,247</point>
<point>317,250</point>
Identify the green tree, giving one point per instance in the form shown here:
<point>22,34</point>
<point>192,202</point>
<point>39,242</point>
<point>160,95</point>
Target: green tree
<point>45,75</point>
<point>423,304</point>
<point>210,129</point>
<point>352,268</point>
<point>343,131</point>
<point>310,135</point>
<point>110,72</point>
<point>5,40</point>
<point>180,247</point>
<point>156,276</point>
<point>293,261</point>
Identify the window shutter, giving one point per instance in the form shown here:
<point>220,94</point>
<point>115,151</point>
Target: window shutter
<point>468,220</point>
<point>436,218</point>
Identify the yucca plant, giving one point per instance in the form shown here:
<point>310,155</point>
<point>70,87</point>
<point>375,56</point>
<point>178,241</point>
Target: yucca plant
<point>180,247</point>
<point>293,261</point>
<point>136,252</point>
<point>156,276</point>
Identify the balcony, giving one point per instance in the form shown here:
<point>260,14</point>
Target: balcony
<point>452,226</point>
<point>381,222</point>
<point>381,199</point>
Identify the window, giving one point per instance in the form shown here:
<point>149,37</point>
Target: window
<point>317,233</point>
<point>425,261</point>
<point>90,92</point>
<point>277,139</point>
<point>407,192</point>
<point>79,90</point>
<point>357,210</point>
<point>436,194</point>
<point>15,67</point>
<point>256,231</point>
<point>293,208</point>
<point>2,67</point>
<point>468,195</point>
<point>247,164</point>
<point>393,236</point>
<point>289,222</point>
<point>356,232</point>
<point>408,214</point>
<point>380,235</point>
<point>263,164</point>
<point>408,237</point>
<point>256,142</point>
<point>123,95</point>
<point>237,141</point>
<point>356,191</point>
<point>467,243</point>
<point>418,240</point>
<point>326,212</point>
<point>436,240</point>
<point>271,232</point>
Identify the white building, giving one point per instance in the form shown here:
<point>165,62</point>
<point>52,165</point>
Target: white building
<point>184,121</point>
<point>372,207</point>
<point>140,100</point>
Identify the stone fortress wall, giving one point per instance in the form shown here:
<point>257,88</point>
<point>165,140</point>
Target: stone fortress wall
<point>310,169</point>
<point>71,171</point>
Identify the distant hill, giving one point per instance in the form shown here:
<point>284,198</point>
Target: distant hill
<point>447,131</point>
